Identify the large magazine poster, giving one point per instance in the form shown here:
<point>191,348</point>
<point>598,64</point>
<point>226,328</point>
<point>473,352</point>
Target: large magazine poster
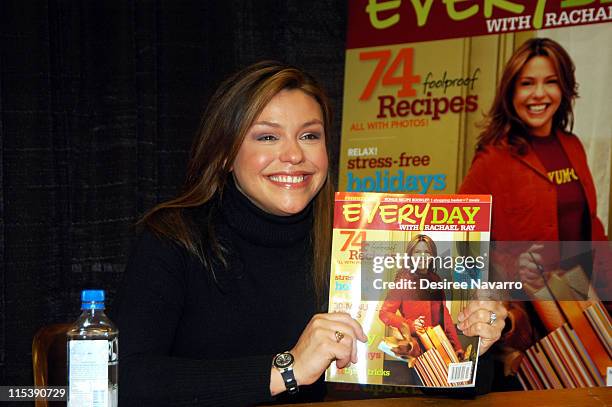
<point>404,266</point>
<point>421,78</point>
<point>421,75</point>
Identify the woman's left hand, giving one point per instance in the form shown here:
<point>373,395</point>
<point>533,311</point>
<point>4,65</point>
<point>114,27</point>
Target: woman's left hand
<point>483,318</point>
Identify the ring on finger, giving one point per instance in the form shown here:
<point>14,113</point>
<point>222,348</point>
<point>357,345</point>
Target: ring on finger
<point>492,318</point>
<point>339,336</point>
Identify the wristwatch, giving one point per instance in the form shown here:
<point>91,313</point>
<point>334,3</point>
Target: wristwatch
<point>284,363</point>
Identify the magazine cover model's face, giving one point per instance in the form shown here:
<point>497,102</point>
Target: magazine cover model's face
<point>421,253</point>
<point>537,95</point>
<point>282,162</point>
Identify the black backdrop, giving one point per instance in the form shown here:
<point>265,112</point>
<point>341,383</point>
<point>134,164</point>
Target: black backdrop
<point>99,101</point>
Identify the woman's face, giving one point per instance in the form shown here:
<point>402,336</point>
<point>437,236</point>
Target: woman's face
<point>282,162</point>
<point>537,95</point>
<point>421,254</point>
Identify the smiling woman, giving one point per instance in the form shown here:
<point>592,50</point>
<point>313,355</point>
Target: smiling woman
<point>219,301</point>
<point>220,298</point>
<point>282,162</point>
<point>537,95</point>
<point>526,141</point>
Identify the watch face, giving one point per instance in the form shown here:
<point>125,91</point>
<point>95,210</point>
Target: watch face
<point>283,360</point>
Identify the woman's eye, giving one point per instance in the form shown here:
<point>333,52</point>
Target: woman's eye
<point>311,136</point>
<point>267,137</point>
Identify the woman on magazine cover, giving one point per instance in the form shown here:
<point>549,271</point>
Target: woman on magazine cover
<point>420,309</point>
<point>222,297</point>
<point>525,145</point>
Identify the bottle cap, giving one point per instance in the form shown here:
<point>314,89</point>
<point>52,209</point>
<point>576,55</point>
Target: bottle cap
<point>92,299</point>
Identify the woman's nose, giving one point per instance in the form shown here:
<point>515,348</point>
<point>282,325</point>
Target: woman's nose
<point>292,152</point>
<point>539,90</point>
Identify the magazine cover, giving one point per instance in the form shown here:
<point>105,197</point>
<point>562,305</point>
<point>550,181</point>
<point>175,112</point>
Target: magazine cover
<point>421,82</point>
<point>404,266</point>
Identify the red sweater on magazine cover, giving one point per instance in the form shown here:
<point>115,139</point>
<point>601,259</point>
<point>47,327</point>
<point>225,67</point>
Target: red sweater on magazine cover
<point>415,303</point>
<point>524,199</point>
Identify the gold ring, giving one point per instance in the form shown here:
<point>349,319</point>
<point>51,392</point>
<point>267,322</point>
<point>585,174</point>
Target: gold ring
<point>492,318</point>
<point>339,335</point>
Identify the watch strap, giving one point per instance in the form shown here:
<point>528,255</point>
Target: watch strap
<point>289,379</point>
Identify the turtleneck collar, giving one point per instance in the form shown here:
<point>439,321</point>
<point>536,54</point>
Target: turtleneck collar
<point>258,226</point>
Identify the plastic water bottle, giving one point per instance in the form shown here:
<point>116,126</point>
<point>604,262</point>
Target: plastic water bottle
<point>93,355</point>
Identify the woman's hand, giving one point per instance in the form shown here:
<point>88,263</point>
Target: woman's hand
<point>530,267</point>
<point>477,320</point>
<point>318,345</point>
<point>418,324</point>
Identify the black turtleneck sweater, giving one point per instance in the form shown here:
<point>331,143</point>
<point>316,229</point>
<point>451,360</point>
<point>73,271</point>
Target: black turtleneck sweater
<point>188,338</point>
<point>193,336</point>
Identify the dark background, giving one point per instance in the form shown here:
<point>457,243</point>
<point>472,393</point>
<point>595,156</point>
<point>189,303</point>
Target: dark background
<point>99,102</point>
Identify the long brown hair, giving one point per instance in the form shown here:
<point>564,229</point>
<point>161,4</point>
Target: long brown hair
<point>502,125</point>
<point>431,245</point>
<point>230,113</point>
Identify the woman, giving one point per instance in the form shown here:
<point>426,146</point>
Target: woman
<point>233,271</point>
<point>420,308</point>
<point>527,135</point>
<point>534,167</point>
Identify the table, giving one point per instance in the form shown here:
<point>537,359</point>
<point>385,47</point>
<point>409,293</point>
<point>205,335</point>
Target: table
<point>591,397</point>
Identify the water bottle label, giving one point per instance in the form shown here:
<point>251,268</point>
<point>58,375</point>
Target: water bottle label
<point>88,376</point>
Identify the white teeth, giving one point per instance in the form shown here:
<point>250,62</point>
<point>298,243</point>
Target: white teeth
<point>536,108</point>
<point>287,178</point>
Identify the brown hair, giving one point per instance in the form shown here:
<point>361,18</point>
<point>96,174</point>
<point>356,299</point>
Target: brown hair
<point>431,245</point>
<point>230,113</point>
<point>502,126</point>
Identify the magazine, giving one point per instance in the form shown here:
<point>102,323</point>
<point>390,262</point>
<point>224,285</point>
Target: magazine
<point>404,266</point>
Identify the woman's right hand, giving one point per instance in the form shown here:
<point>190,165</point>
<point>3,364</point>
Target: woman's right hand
<point>419,324</point>
<point>318,346</point>
<point>530,267</point>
